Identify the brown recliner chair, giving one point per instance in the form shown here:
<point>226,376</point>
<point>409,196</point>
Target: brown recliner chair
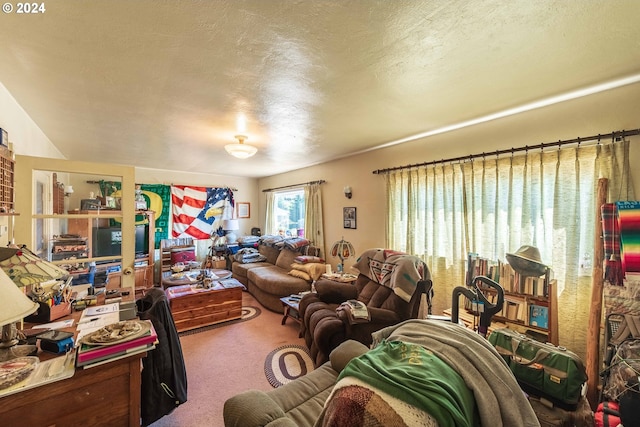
<point>390,284</point>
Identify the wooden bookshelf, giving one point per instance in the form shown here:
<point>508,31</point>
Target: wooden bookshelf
<point>530,303</point>
<point>7,166</point>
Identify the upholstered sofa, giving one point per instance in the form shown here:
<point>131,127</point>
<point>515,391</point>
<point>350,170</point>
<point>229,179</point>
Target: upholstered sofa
<point>455,378</point>
<point>269,280</point>
<point>393,286</point>
<point>296,404</point>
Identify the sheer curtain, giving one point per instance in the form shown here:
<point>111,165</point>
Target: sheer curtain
<point>313,221</point>
<point>492,206</point>
<point>270,226</point>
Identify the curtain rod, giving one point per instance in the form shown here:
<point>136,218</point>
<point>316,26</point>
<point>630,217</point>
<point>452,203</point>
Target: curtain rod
<point>617,135</point>
<point>320,181</point>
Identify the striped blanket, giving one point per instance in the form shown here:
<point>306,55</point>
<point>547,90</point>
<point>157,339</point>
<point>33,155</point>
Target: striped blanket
<point>393,269</point>
<point>611,239</point>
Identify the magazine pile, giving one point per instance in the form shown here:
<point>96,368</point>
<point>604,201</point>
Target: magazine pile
<point>115,340</point>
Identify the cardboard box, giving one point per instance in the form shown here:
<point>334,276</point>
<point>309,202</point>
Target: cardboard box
<point>220,264</point>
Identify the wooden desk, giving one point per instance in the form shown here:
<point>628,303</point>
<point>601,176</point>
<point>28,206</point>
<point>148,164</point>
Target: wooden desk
<point>103,396</point>
<point>108,395</point>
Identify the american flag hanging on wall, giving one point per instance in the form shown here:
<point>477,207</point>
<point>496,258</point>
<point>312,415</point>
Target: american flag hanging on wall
<point>196,208</point>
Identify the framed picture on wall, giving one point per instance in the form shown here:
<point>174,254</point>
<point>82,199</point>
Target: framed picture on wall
<point>349,217</point>
<point>244,209</point>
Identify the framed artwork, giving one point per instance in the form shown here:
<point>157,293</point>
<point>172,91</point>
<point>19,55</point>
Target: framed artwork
<point>244,209</point>
<point>349,217</point>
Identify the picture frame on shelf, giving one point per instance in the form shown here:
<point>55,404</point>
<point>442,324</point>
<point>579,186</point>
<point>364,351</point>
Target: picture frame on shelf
<point>243,209</point>
<point>349,217</point>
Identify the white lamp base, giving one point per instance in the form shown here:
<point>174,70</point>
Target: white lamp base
<point>231,237</point>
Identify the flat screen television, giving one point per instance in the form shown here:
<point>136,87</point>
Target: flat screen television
<point>142,239</point>
<point>108,241</point>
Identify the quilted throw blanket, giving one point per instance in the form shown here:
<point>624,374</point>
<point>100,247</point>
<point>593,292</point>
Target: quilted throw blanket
<point>248,255</point>
<point>354,403</point>
<point>417,377</point>
<point>499,399</point>
<point>393,269</point>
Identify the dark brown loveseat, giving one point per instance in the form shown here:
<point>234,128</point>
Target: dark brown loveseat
<point>392,285</point>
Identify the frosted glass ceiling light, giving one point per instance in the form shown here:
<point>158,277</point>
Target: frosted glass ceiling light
<point>241,150</point>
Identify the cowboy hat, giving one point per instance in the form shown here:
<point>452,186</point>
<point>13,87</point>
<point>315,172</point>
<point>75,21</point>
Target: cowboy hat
<point>526,261</point>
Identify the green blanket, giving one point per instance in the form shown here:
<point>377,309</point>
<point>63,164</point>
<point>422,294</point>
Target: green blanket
<point>418,377</point>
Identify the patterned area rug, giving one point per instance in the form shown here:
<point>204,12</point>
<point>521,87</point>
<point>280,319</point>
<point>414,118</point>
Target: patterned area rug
<point>248,313</point>
<point>286,363</point>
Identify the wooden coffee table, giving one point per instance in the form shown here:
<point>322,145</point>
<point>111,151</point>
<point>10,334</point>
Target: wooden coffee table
<point>193,306</point>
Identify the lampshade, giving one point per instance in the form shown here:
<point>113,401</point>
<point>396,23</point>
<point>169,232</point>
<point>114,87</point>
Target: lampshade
<point>230,224</point>
<point>342,249</point>
<point>15,304</point>
<point>26,268</point>
<point>241,150</point>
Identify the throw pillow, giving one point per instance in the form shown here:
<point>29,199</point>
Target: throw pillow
<point>182,255</point>
<point>303,259</point>
<point>300,274</point>
<point>314,270</point>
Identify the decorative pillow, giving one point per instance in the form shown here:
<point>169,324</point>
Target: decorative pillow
<point>301,275</point>
<point>303,259</point>
<point>182,255</point>
<point>314,270</point>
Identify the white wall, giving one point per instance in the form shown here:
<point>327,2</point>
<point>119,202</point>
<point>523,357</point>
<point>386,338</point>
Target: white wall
<point>25,137</point>
<point>28,139</point>
<point>597,114</point>
<point>24,133</point>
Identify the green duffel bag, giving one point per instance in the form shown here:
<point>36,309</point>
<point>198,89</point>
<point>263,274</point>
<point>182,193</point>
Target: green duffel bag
<point>542,370</point>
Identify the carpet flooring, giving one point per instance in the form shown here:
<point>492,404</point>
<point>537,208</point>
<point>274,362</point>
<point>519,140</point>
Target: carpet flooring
<point>224,361</point>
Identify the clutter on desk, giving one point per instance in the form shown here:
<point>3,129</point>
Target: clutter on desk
<point>45,283</point>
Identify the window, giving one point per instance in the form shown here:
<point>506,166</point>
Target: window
<point>493,206</point>
<point>288,213</point>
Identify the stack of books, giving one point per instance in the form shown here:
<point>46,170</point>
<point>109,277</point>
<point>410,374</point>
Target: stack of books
<point>91,353</point>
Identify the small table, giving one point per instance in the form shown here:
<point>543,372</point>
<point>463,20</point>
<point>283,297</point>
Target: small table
<point>290,305</point>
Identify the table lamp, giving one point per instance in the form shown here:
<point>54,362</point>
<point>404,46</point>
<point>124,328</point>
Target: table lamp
<point>342,249</point>
<point>230,226</point>
<point>40,277</point>
<point>26,268</point>
<point>15,306</point>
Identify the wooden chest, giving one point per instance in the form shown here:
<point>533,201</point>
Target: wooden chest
<point>193,307</point>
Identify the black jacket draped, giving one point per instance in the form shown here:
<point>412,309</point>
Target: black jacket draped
<point>164,376</point>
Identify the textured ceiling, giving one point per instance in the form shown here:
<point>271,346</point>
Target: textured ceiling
<point>160,84</point>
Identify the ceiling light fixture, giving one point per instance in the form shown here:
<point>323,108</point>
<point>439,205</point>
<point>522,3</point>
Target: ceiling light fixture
<point>241,150</point>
